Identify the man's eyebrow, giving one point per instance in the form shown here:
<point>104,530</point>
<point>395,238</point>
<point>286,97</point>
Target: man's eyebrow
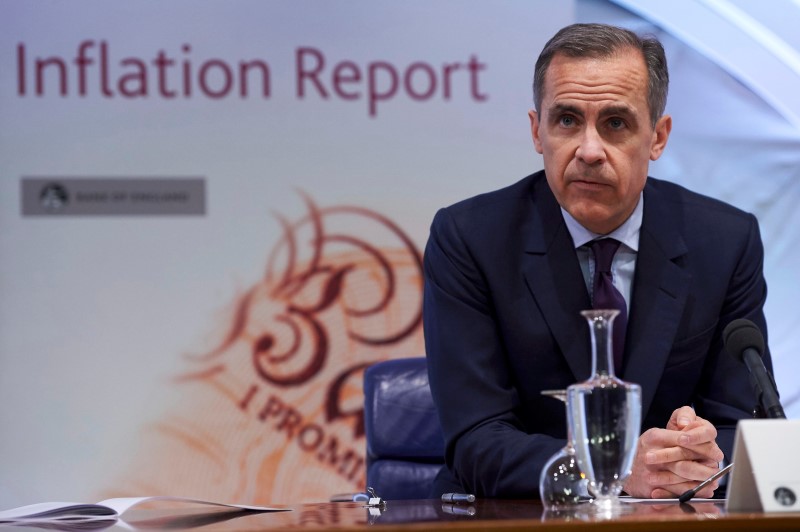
<point>622,110</point>
<point>561,108</point>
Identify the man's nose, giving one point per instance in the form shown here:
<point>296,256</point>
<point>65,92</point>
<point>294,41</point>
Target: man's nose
<point>591,149</point>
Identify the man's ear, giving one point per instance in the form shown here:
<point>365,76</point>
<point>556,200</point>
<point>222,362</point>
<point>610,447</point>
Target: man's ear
<point>537,141</point>
<point>660,136</point>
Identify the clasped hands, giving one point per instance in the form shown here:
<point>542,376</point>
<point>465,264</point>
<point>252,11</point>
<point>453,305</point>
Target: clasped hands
<point>675,459</point>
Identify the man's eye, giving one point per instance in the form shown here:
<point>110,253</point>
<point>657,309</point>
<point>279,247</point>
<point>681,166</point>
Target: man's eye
<point>616,123</point>
<point>567,121</point>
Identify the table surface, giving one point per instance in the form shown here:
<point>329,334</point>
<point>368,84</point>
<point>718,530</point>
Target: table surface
<point>434,515</point>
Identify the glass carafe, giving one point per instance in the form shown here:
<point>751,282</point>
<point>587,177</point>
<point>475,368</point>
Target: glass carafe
<point>604,414</point>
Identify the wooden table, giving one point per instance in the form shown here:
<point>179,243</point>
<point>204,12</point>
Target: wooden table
<point>484,514</point>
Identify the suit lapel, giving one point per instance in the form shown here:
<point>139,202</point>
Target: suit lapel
<point>661,285</point>
<point>555,280</point>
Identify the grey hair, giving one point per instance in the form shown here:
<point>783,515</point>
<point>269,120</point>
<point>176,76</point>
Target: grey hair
<point>603,40</point>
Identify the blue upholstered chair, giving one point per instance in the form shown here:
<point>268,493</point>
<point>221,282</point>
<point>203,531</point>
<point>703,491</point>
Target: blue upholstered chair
<point>405,446</point>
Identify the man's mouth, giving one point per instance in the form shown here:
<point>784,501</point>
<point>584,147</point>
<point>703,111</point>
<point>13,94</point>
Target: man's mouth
<point>590,183</point>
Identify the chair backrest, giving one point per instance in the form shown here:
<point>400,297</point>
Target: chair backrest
<point>405,446</point>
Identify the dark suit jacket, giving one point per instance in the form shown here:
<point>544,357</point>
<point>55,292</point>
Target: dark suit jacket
<point>503,291</point>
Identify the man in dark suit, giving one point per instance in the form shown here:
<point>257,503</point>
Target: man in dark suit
<point>507,273</point>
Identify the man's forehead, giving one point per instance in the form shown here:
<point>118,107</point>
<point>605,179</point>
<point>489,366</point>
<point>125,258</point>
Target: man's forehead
<point>619,79</point>
<point>628,61</point>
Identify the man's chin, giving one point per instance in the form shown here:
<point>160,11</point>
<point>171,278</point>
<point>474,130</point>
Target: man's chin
<point>598,219</point>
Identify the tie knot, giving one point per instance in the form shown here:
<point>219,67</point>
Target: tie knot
<point>604,250</point>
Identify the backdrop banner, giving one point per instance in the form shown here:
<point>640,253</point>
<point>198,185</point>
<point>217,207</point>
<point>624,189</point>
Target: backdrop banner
<point>213,217</point>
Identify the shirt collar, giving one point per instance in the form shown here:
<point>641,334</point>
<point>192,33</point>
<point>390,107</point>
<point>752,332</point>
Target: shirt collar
<point>627,233</point>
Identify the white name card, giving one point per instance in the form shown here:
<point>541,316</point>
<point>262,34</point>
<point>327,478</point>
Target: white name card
<point>766,471</point>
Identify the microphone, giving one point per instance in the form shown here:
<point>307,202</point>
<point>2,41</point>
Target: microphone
<point>744,342</point>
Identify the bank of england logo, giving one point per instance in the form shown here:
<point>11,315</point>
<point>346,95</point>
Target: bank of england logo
<point>53,197</point>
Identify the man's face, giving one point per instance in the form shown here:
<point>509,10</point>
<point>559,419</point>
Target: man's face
<point>594,131</point>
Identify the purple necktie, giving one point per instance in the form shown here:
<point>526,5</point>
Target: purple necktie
<point>606,296</point>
